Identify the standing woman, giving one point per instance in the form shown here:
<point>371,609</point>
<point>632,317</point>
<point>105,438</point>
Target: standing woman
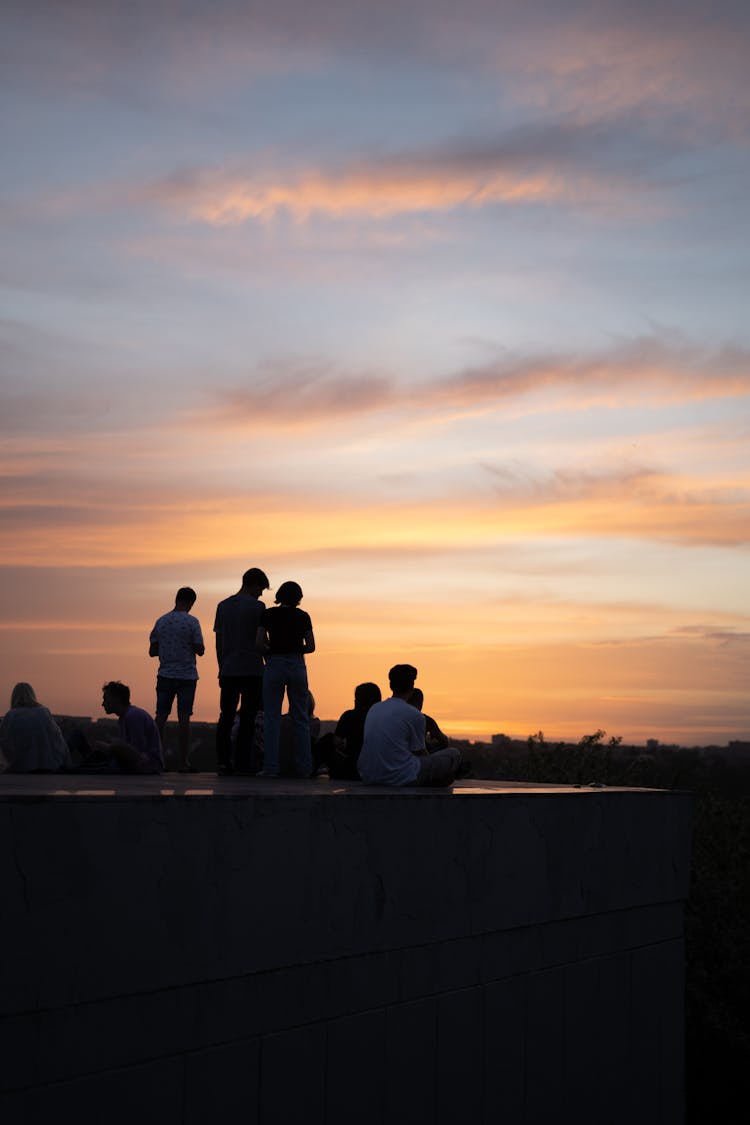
<point>285,634</point>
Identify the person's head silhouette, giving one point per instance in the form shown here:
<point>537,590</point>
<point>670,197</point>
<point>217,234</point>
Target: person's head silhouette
<point>401,678</point>
<point>288,593</point>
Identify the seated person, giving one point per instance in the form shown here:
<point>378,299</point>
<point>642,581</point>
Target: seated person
<point>393,749</point>
<point>30,739</point>
<point>342,748</point>
<point>253,759</point>
<point>137,748</point>
<point>434,737</point>
<point>287,762</point>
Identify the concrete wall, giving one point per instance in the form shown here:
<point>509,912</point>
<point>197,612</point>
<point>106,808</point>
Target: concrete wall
<point>352,956</point>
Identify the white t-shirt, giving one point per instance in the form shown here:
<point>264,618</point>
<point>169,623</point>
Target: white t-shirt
<point>394,731</point>
<point>176,633</point>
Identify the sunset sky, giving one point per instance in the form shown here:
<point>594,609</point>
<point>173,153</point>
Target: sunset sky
<point>439,309</point>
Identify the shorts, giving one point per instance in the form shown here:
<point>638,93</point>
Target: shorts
<point>167,687</point>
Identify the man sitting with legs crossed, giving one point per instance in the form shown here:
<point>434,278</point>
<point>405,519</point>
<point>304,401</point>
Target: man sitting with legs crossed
<point>393,749</point>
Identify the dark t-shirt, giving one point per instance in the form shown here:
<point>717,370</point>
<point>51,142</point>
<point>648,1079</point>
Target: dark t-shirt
<point>236,626</point>
<point>351,726</point>
<point>286,626</point>
<point>437,738</point>
<point>138,729</point>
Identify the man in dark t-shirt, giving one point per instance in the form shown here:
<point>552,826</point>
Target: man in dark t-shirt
<point>240,671</point>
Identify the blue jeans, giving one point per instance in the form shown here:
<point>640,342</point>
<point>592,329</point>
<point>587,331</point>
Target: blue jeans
<point>287,671</point>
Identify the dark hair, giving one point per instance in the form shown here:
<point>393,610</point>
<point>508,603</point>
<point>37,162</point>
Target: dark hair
<point>119,690</point>
<point>416,698</point>
<point>401,678</point>
<point>186,595</point>
<point>23,695</point>
<point>255,577</point>
<point>289,593</point>
<point>366,694</point>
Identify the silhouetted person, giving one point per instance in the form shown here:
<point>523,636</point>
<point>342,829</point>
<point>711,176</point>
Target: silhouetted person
<point>30,739</point>
<point>393,750</point>
<point>176,639</point>
<point>285,634</point>
<point>137,748</point>
<point>434,737</point>
<point>345,744</point>
<point>240,671</point>
<point>286,736</point>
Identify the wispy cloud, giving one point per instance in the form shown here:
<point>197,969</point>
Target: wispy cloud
<point>645,506</point>
<point>657,369</point>
<point>597,59</point>
<point>578,164</point>
<point>582,53</point>
<point>610,167</point>
<point>375,191</point>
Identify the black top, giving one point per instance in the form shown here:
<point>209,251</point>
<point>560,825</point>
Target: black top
<point>351,727</point>
<point>438,740</point>
<point>286,626</point>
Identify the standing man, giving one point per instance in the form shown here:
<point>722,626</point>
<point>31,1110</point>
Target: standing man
<point>240,671</point>
<point>393,749</point>
<point>176,639</point>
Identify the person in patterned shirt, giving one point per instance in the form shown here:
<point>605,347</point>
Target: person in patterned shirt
<point>176,639</point>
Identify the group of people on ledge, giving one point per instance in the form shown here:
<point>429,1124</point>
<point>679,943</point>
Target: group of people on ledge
<point>261,657</point>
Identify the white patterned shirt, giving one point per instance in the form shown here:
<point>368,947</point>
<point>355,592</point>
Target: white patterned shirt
<point>176,633</point>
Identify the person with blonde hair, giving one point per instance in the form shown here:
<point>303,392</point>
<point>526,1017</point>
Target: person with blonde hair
<point>30,739</point>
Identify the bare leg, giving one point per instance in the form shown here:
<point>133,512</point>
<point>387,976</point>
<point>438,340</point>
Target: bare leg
<point>161,726</point>
<point>183,731</point>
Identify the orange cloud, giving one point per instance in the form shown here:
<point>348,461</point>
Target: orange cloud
<point>378,194</point>
<point>668,509</point>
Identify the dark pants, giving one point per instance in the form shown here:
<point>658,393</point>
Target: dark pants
<point>439,768</point>
<point>247,691</point>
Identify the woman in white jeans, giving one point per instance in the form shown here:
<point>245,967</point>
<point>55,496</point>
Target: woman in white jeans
<point>285,634</point>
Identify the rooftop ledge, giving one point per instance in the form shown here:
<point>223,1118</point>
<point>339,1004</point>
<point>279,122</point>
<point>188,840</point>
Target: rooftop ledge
<point>194,785</point>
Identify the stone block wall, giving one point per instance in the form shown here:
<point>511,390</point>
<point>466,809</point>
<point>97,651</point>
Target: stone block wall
<point>326,956</point>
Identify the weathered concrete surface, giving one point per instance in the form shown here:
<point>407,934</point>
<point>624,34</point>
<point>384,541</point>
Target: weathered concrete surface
<point>188,950</point>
